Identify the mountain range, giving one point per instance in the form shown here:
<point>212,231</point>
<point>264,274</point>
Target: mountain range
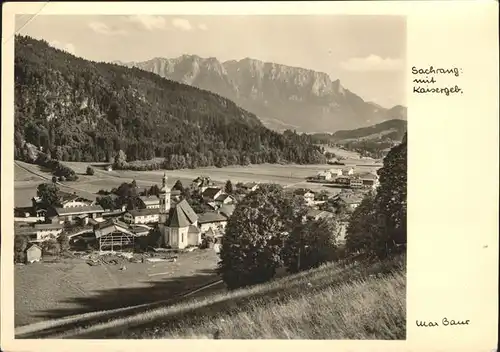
<point>283,97</point>
<point>79,110</point>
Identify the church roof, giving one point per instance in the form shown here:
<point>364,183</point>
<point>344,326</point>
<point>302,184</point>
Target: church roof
<point>183,215</point>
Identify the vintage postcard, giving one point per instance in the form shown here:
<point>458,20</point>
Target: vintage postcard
<point>174,173</point>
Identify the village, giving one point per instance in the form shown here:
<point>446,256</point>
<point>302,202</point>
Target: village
<point>163,222</point>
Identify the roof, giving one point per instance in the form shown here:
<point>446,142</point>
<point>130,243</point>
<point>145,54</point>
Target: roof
<point>143,212</point>
<point>368,176</point>
<point>318,213</point>
<point>33,246</point>
<point>48,226</point>
<point>211,192</point>
<point>227,209</point>
<point>183,215</point>
<point>193,229</point>
<point>324,173</point>
<point>111,226</point>
<point>67,197</point>
<point>303,191</point>
<point>223,197</point>
<point>211,217</point>
<point>249,185</point>
<point>148,200</point>
<point>79,210</point>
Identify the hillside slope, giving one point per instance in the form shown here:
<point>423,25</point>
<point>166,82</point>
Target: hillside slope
<point>81,110</point>
<point>335,301</point>
<point>283,97</point>
<point>374,141</point>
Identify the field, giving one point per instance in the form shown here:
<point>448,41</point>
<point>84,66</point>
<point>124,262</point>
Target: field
<point>335,301</point>
<point>49,290</point>
<point>286,175</point>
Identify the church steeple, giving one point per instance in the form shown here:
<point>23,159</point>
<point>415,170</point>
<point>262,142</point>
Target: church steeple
<point>164,196</point>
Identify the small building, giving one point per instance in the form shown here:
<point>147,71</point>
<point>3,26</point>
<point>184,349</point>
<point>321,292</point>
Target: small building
<point>211,193</point>
<point>225,198</point>
<point>227,210</point>
<point>142,216</point>
<point>325,176</point>
<point>211,220</point>
<point>335,172</point>
<point>307,194</point>
<point>369,180</point>
<point>352,201</point>
<point>356,182</point>
<point>33,254</point>
<point>343,180</point>
<point>347,171</point>
<point>149,202</point>
<point>250,186</point>
<point>315,214</point>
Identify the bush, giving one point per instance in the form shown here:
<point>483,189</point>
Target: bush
<point>90,171</point>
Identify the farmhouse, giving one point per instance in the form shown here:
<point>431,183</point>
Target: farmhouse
<point>335,172</point>
<point>318,214</point>
<point>325,176</point>
<point>227,210</point>
<point>307,194</point>
<point>250,187</point>
<point>181,229</point>
<point>356,182</point>
<point>211,220</point>
<point>40,232</point>
<point>351,200</point>
<point>347,171</point>
<point>225,199</point>
<point>211,193</point>
<point>142,216</point>
<point>369,180</point>
<point>33,254</point>
<point>73,213</point>
<point>149,202</point>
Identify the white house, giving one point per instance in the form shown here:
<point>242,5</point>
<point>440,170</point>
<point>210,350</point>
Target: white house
<point>347,171</point>
<point>250,187</point>
<point>142,216</point>
<point>149,202</point>
<point>40,232</point>
<point>211,193</point>
<point>356,182</point>
<point>211,220</point>
<point>224,198</point>
<point>325,175</point>
<point>335,172</point>
<point>307,194</point>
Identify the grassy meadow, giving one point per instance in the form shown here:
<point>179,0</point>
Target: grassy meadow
<point>293,175</point>
<point>335,301</point>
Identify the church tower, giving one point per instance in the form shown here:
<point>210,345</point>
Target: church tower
<point>164,196</point>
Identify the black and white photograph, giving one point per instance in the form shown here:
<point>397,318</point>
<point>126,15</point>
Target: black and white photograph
<point>221,177</point>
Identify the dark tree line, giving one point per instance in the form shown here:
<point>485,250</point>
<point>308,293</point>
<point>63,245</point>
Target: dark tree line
<point>378,226</point>
<point>79,110</point>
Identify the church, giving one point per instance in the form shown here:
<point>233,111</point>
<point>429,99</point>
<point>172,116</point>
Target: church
<point>178,223</point>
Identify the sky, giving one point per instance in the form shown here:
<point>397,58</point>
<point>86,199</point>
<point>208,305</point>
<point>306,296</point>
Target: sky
<point>367,53</point>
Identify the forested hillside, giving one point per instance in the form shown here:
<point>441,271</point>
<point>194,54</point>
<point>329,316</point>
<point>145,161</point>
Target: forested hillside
<point>79,110</point>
